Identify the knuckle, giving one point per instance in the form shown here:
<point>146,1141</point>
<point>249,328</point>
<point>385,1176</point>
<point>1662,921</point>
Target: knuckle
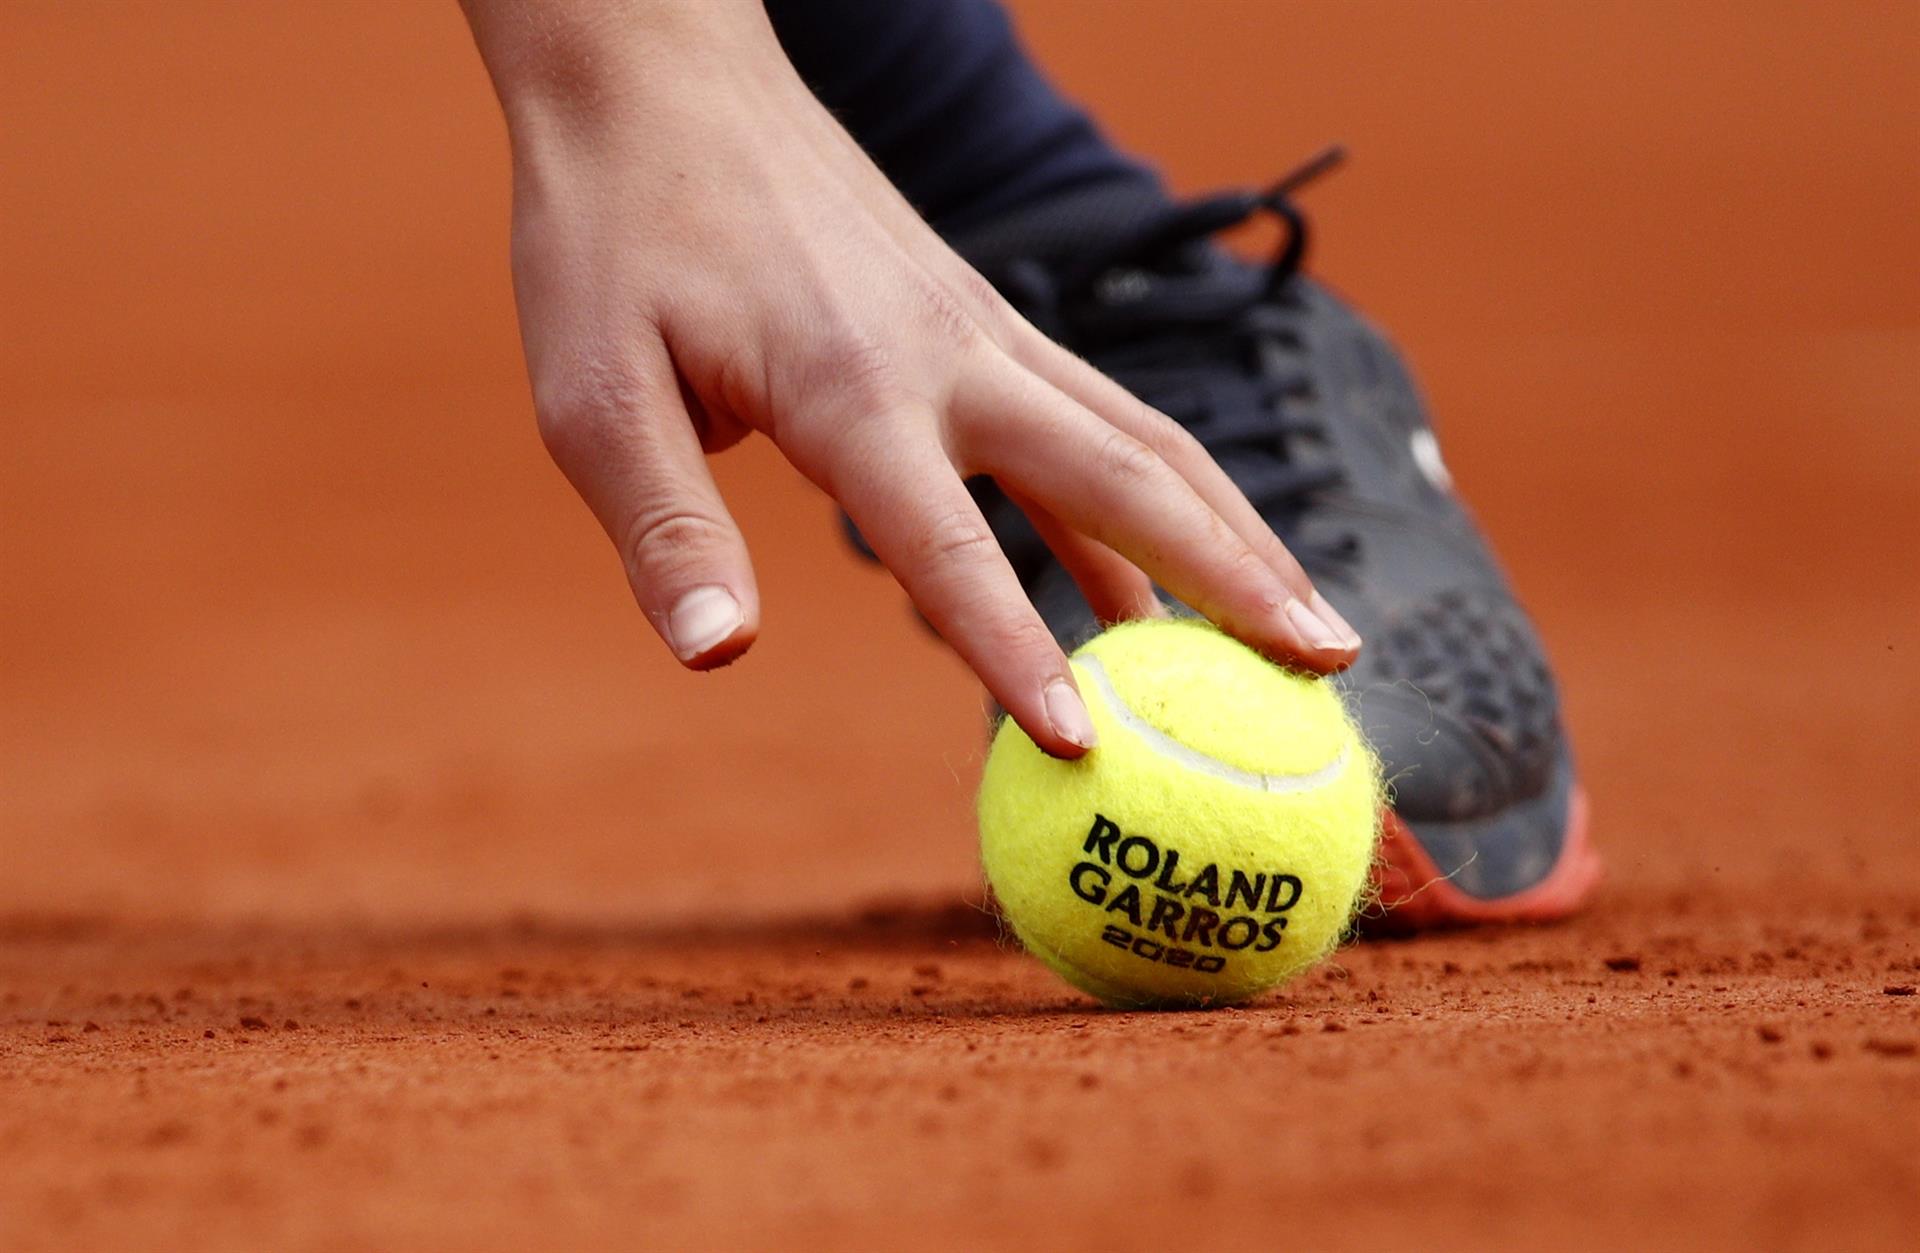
<point>989,316</point>
<point>1266,592</point>
<point>949,313</point>
<point>1026,636</point>
<point>567,430</point>
<point>856,367</point>
<point>670,539</point>
<point>577,409</point>
<point>1128,462</point>
<point>1263,549</point>
<point>955,539</point>
<point>979,294</point>
<point>1162,434</point>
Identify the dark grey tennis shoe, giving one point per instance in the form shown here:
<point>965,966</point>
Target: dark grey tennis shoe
<point>1311,412</point>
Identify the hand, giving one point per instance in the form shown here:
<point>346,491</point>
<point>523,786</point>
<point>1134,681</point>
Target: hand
<point>700,252</point>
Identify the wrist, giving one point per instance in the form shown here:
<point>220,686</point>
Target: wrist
<point>576,64</point>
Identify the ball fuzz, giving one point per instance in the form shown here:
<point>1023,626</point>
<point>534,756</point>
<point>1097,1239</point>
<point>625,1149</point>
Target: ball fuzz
<point>1215,843</point>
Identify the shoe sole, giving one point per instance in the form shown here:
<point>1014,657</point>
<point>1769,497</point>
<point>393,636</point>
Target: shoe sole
<point>1412,894</point>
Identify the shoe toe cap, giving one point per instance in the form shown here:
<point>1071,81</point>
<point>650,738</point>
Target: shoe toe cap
<point>1457,698</point>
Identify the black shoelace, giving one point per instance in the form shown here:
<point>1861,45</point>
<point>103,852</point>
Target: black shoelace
<point>1161,313</point>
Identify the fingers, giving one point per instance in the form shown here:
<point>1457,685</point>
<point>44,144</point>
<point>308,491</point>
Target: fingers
<point>1115,488</point>
<point>1118,407</point>
<point>630,450</point>
<point>1115,588</point>
<point>909,503</point>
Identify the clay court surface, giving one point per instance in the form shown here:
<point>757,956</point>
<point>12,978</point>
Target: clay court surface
<point>369,877</point>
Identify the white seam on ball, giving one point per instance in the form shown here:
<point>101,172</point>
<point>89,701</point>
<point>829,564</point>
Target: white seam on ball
<point>1193,759</point>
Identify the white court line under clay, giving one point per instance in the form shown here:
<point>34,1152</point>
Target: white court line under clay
<point>1192,758</point>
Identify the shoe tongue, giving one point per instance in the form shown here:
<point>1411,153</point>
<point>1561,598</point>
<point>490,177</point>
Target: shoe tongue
<point>1065,225</point>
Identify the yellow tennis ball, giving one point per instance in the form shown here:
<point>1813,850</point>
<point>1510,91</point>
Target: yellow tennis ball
<point>1217,840</point>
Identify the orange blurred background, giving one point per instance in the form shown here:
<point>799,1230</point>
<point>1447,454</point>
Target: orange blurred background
<point>298,620</point>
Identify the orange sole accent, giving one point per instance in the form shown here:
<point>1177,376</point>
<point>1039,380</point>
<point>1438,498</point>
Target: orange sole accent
<point>1415,896</point>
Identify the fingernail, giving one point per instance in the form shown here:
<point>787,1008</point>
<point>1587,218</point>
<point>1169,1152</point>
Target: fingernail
<point>1315,630</point>
<point>1068,714</point>
<point>701,620</point>
<point>1331,616</point>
